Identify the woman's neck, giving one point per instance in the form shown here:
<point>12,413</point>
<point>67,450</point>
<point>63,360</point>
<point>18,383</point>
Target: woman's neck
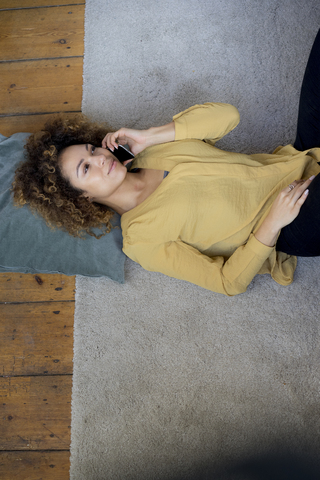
<point>135,188</point>
<point>127,195</point>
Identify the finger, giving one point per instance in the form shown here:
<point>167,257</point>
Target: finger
<point>292,185</point>
<point>298,186</point>
<point>302,198</point>
<point>304,185</point>
<point>112,142</point>
<point>104,141</point>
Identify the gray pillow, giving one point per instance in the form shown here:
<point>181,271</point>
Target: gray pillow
<point>28,245</point>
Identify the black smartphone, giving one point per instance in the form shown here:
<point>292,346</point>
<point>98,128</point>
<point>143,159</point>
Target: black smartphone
<point>122,154</point>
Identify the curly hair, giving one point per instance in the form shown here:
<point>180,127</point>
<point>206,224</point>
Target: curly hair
<point>39,182</point>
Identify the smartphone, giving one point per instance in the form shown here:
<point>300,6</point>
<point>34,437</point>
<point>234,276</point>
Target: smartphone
<point>122,154</point>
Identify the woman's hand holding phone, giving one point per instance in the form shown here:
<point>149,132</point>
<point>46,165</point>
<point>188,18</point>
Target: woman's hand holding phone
<point>138,140</point>
<point>135,139</point>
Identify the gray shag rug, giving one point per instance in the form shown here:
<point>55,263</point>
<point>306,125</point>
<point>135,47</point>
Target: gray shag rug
<point>172,381</point>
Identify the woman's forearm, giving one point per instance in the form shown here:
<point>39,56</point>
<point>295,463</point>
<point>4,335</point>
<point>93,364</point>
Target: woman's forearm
<point>163,134</point>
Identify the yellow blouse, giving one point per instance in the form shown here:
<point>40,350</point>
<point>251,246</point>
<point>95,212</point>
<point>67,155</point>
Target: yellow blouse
<point>199,224</point>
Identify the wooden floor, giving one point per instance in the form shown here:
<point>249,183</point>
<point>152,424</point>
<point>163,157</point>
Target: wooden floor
<point>41,58</point>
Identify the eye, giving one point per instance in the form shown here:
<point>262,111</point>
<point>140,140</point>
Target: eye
<point>85,168</point>
<point>92,149</point>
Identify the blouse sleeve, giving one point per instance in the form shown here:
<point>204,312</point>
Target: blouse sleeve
<point>180,260</point>
<point>210,122</point>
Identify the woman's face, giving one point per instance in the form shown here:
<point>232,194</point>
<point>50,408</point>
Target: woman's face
<point>94,170</point>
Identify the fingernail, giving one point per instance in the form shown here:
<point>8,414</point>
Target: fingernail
<point>312,177</point>
<point>306,192</point>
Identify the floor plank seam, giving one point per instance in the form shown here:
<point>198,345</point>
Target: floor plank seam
<point>36,451</point>
<point>40,6</point>
<point>37,113</point>
<point>43,301</point>
<point>39,59</point>
<point>38,375</point>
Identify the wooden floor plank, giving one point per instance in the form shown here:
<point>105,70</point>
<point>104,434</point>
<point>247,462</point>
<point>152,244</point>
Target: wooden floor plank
<point>34,465</point>
<point>36,3</point>
<point>41,33</point>
<point>27,123</point>
<point>36,338</point>
<point>55,84</point>
<point>19,287</point>
<point>35,412</point>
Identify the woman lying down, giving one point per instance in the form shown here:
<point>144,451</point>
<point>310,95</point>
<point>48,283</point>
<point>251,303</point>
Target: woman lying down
<point>188,209</point>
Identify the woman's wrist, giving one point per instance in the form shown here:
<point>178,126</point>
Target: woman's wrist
<point>267,233</point>
<point>163,134</point>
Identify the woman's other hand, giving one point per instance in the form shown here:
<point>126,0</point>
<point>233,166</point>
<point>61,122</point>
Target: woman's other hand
<point>138,140</point>
<point>284,210</point>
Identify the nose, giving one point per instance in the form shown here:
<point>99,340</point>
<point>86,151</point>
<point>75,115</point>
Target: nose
<point>98,160</point>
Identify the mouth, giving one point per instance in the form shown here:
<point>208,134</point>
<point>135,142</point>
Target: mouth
<point>112,166</point>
